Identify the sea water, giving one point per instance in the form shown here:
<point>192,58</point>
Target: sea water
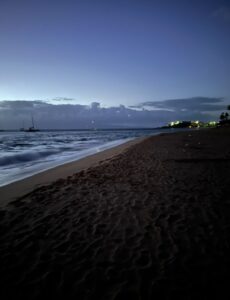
<point>23,154</point>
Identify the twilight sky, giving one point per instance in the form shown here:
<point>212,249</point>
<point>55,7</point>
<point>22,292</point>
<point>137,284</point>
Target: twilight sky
<point>114,52</point>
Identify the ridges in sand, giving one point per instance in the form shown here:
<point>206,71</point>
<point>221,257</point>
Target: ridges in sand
<point>140,228</point>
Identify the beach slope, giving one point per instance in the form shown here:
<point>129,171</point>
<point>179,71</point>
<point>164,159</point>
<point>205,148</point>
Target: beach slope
<point>152,222</point>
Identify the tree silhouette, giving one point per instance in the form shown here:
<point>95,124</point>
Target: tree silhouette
<point>224,117</point>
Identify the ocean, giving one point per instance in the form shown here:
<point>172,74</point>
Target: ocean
<point>23,154</point>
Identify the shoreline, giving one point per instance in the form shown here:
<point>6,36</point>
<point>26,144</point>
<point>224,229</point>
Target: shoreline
<point>34,169</point>
<point>150,223</point>
<point>22,187</point>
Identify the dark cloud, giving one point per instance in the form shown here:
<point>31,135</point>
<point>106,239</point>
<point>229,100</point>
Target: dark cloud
<point>20,104</point>
<point>70,116</point>
<point>195,104</point>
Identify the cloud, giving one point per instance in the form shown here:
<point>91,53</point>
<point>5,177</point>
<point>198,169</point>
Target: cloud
<point>195,104</point>
<point>21,104</point>
<point>63,99</point>
<point>222,13</point>
<point>76,116</point>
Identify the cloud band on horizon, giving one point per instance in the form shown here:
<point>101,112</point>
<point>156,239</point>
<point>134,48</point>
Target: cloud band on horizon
<point>71,116</point>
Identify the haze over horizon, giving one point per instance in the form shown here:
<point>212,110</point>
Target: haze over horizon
<point>156,60</point>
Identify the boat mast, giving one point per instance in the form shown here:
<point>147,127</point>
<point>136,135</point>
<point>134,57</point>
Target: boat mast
<point>32,121</point>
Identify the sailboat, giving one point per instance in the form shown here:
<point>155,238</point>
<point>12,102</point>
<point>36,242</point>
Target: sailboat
<point>22,128</point>
<point>32,128</point>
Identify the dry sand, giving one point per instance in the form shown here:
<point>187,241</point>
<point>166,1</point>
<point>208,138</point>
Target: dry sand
<point>151,223</point>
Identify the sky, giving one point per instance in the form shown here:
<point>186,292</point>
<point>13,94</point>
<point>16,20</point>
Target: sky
<point>133,53</point>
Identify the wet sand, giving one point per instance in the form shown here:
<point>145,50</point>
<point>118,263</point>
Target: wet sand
<point>152,222</point>
<point>22,187</point>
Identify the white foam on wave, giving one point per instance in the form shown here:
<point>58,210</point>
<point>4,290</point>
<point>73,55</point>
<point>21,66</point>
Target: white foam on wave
<point>16,173</point>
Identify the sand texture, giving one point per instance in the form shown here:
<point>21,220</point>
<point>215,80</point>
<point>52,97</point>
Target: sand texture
<point>151,223</point>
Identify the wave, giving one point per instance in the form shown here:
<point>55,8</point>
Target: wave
<point>26,157</point>
<point>67,141</point>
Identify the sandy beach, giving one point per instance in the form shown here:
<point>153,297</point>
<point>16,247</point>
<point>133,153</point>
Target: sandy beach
<point>147,220</point>
<point>22,187</point>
